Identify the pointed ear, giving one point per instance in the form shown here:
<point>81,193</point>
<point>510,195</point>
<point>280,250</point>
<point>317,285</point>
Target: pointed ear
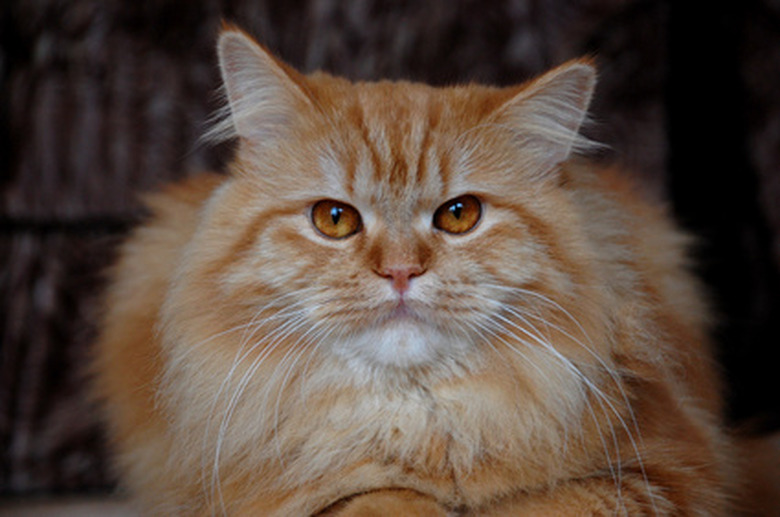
<point>547,114</point>
<point>264,95</point>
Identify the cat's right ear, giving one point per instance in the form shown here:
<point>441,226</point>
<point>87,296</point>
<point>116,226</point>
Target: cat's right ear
<point>264,95</point>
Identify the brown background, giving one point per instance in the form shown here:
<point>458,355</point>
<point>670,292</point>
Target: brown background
<point>100,99</point>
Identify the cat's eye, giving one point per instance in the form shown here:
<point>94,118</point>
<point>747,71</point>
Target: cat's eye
<point>335,219</point>
<point>458,215</point>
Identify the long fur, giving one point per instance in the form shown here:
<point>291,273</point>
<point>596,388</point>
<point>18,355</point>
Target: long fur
<point>551,361</point>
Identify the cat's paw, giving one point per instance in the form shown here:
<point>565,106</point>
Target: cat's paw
<point>387,503</point>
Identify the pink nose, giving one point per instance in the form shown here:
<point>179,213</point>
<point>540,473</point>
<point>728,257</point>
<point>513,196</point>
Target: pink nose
<point>400,276</point>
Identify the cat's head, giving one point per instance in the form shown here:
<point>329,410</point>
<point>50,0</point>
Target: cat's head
<point>393,225</point>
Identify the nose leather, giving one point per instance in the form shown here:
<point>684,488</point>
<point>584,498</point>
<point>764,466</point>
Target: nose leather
<point>401,275</point>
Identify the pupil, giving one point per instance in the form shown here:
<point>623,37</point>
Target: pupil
<point>335,215</point>
<point>456,209</point>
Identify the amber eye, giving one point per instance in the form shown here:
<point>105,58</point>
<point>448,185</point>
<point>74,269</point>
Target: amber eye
<point>458,215</point>
<point>334,219</point>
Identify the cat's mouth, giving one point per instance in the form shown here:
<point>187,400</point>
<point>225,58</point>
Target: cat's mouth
<point>401,311</point>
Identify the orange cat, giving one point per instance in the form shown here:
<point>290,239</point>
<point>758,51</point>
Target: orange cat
<point>407,300</point>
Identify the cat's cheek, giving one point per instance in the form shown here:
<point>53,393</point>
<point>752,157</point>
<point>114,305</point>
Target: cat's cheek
<point>280,260</point>
<point>514,262</point>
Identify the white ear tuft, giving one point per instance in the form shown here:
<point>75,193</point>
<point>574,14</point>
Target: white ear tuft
<point>547,114</point>
<point>263,98</point>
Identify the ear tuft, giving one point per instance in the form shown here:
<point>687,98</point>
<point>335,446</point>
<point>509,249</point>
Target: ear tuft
<point>263,97</point>
<point>547,114</point>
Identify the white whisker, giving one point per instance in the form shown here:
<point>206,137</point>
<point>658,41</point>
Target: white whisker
<point>302,347</point>
<point>601,397</point>
<point>633,430</point>
<point>287,316</point>
<point>271,342</point>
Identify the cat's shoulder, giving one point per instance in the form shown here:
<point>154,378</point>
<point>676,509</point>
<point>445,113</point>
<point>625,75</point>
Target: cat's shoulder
<point>620,185</point>
<point>187,194</point>
<point>152,248</point>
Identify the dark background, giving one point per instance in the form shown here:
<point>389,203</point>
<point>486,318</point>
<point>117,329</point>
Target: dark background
<point>101,99</point>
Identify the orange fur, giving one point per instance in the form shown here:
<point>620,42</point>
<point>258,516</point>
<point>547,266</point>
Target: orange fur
<point>553,360</point>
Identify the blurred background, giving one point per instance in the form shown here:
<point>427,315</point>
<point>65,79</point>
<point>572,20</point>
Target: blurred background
<point>102,99</point>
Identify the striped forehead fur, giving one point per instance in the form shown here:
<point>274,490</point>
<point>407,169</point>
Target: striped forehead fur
<point>264,97</point>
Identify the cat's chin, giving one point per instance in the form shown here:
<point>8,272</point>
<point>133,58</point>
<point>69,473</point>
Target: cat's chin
<point>401,343</point>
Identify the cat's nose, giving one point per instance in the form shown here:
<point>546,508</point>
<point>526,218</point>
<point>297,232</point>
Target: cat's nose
<point>400,276</point>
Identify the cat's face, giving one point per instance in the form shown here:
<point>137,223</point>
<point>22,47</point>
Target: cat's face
<point>391,224</point>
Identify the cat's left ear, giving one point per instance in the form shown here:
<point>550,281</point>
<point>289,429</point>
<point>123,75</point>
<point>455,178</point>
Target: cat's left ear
<point>264,94</point>
<point>547,113</point>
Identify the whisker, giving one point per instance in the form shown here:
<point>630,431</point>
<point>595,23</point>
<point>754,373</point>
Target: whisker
<point>633,430</point>
<point>601,397</point>
<point>239,357</point>
<point>276,338</point>
<point>289,315</point>
<point>302,349</point>
<point>322,335</point>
